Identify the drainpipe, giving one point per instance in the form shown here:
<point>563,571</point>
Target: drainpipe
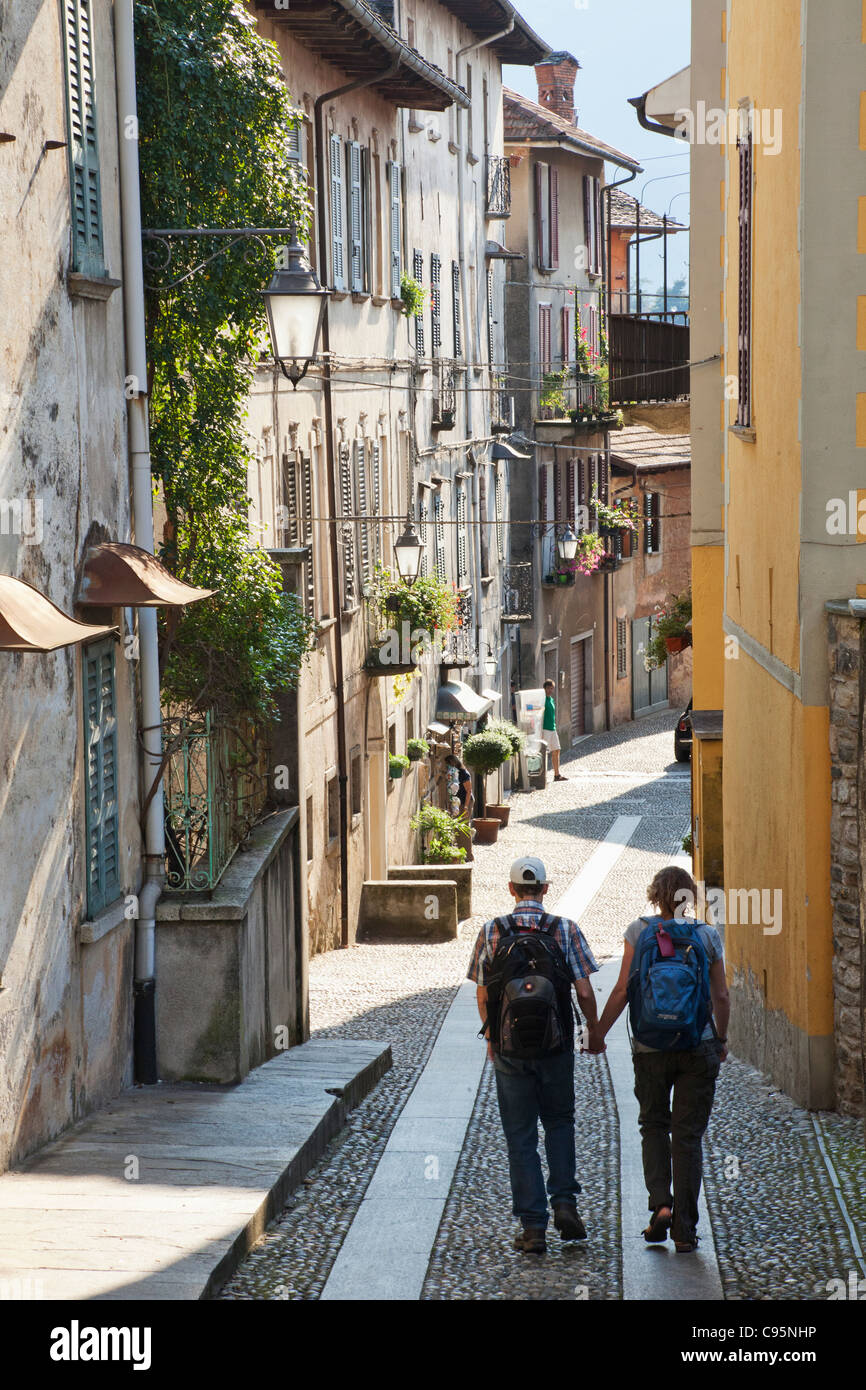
<point>339,670</point>
<point>469,329</point>
<point>144,1037</point>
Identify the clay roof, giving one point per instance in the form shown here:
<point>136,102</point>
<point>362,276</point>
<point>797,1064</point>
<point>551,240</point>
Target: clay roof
<point>623,213</point>
<point>525,121</point>
<point>646,451</point>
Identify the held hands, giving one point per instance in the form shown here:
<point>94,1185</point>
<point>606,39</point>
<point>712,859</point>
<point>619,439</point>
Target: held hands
<point>595,1042</point>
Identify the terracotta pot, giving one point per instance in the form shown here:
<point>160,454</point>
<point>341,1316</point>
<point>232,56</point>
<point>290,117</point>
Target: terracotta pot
<point>675,644</point>
<point>500,812</point>
<point>486,830</point>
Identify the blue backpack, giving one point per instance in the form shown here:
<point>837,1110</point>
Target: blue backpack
<point>669,987</point>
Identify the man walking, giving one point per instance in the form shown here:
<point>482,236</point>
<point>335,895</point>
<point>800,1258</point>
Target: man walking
<point>524,966</point>
<point>548,729</point>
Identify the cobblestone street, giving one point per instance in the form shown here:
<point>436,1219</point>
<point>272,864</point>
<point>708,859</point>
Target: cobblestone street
<point>785,1192</point>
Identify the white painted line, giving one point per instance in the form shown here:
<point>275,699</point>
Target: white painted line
<point>387,1248</point>
<point>582,889</point>
<point>649,1272</point>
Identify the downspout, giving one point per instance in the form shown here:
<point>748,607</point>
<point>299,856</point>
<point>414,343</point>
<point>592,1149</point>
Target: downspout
<point>470,335</point>
<point>339,671</point>
<point>144,987</point>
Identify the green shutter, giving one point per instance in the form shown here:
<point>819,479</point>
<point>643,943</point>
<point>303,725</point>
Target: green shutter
<point>100,744</point>
<point>88,256</point>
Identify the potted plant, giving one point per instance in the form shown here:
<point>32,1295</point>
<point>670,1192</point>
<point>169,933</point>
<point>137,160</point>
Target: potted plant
<point>590,549</point>
<point>416,749</point>
<point>441,832</point>
<point>397,764</point>
<point>516,737</point>
<point>670,625</point>
<point>412,295</point>
<point>484,753</point>
<point>410,619</point>
<point>688,845</point>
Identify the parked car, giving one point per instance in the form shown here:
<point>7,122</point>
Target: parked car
<point>683,735</point>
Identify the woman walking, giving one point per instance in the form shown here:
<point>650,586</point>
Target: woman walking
<point>673,977</point>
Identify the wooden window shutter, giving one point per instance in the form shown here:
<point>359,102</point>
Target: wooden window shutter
<point>621,648</point>
<point>744,311</point>
<point>544,344</point>
<point>363,508</point>
<point>295,142</point>
<point>439,525</point>
<point>603,479</point>
<point>395,188</point>
<point>581,481</point>
<point>570,499</point>
<point>418,274</point>
<point>542,214</point>
<point>435,304</point>
<point>597,222</point>
<point>376,502</point>
<point>542,493</point>
<point>499,503</point>
<point>338,247</point>
<point>482,521</point>
<point>356,217</point>
<point>423,513</point>
<point>491,321</point>
<point>567,338</point>
<point>100,745</point>
<point>88,257</point>
<point>307,533</point>
<point>592,480</point>
<point>554,217</point>
<point>347,528</point>
<point>462,538</point>
<point>587,219</point>
<point>455,295</point>
<point>557,492</point>
<point>290,482</point>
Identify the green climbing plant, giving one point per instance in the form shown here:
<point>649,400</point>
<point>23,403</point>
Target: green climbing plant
<point>214,116</point>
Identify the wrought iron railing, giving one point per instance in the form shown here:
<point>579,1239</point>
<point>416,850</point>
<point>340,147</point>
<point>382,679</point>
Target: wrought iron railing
<point>444,394</point>
<point>498,186</point>
<point>460,647</point>
<point>517,592</point>
<point>215,787</point>
<point>502,413</point>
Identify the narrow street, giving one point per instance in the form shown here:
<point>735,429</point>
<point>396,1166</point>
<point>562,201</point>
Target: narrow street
<point>786,1191</point>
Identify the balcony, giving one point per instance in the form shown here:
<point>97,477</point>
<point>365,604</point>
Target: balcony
<point>498,186</point>
<point>461,644</point>
<point>648,358</point>
<point>503,417</point>
<point>517,592</point>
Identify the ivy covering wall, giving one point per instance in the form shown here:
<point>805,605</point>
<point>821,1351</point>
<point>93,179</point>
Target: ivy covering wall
<point>214,115</point>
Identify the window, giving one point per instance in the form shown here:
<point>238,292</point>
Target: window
<point>375,500</point>
<point>423,514</point>
<point>297,492</point>
<point>455,298</point>
<point>621,648</point>
<point>297,143</point>
<point>359,195</point>
<point>592,222</point>
<point>362,527</point>
<point>439,528</point>
<point>100,751</point>
<point>652,523</point>
<point>338,247</point>
<point>499,503</point>
<point>547,516</point>
<point>744,309</point>
<point>410,725</point>
<point>395,226</point>
<point>545,346</point>
<point>482,522</point>
<point>435,305</point>
<point>547,216</point>
<point>332,802</point>
<point>392,737</point>
<point>311,829</point>
<point>88,257</point>
<point>418,274</point>
<point>355,779</point>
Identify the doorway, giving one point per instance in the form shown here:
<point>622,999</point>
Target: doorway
<point>649,689</point>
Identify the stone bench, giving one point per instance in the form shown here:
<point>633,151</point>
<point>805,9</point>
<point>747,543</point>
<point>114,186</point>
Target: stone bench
<point>461,874</point>
<point>408,910</point>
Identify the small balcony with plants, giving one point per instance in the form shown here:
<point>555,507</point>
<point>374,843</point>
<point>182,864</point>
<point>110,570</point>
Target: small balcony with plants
<point>406,621</point>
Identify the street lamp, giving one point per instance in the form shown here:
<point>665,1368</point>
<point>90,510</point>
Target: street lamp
<point>295,302</point>
<point>567,545</point>
<point>407,553</point>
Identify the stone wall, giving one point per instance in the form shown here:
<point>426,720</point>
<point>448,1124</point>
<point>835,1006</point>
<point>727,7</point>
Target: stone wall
<point>848,817</point>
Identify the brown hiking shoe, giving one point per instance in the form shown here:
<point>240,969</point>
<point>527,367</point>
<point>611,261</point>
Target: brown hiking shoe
<point>566,1219</point>
<point>531,1241</point>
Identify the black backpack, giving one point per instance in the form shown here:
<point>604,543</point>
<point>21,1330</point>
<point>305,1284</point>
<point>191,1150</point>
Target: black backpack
<point>529,999</point>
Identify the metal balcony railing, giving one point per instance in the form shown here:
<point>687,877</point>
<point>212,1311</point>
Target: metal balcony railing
<point>215,787</point>
<point>461,643</point>
<point>498,186</point>
<point>517,592</point>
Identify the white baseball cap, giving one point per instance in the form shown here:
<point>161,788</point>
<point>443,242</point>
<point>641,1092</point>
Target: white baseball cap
<point>527,871</point>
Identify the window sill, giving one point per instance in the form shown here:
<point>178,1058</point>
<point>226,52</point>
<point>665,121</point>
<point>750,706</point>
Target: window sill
<point>95,928</point>
<point>381,299</point>
<point>100,288</point>
<point>339,295</point>
<point>396,303</point>
<point>360,296</point>
<point>744,432</point>
<point>415,128</point>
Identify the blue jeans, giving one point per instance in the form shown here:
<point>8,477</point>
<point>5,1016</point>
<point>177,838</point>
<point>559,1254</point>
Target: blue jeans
<point>528,1092</point>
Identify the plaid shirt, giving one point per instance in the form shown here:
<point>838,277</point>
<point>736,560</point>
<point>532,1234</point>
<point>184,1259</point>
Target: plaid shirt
<point>527,915</point>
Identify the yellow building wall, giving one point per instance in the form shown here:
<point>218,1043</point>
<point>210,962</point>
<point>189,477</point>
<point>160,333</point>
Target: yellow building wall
<point>708,590</point>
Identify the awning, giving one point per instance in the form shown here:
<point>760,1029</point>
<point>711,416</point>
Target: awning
<point>457,700</point>
<point>354,38</point>
<point>501,450</point>
<point>30,622</point>
<point>117,575</point>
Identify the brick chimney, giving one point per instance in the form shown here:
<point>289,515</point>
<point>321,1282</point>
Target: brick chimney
<point>555,78</point>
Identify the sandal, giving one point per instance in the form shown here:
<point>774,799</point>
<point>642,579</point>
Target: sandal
<point>658,1228</point>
